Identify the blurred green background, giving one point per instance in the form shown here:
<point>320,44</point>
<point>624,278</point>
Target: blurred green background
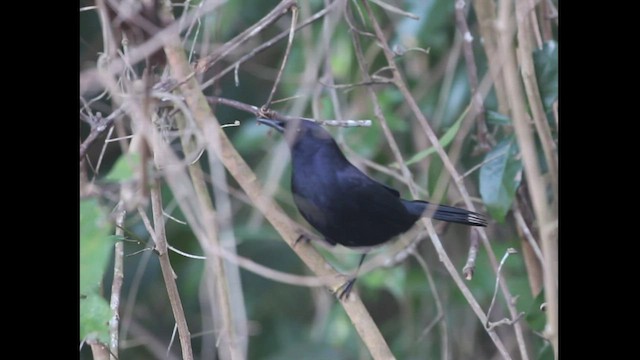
<point>293,322</point>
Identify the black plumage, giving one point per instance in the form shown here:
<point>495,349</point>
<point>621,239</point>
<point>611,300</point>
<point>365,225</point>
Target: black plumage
<point>345,205</point>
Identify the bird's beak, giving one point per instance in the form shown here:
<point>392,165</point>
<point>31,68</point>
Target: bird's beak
<point>276,124</point>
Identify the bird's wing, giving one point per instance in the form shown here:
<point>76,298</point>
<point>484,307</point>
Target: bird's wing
<point>391,190</point>
<point>376,201</point>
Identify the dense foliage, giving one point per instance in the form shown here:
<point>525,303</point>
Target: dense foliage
<point>420,311</point>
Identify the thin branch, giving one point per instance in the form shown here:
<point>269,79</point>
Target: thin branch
<point>377,109</point>
<point>477,309</point>
<point>527,233</point>
<point>172,340</point>
<point>264,46</point>
<point>474,245</point>
<point>379,81</point>
<point>292,31</point>
<point>145,338</point>
<point>225,292</point>
<point>97,128</point>
<point>439,308</point>
<point>481,164</point>
<point>495,291</point>
<point>395,10</point>
<point>116,286</point>
<point>533,258</point>
<point>452,171</point>
<point>167,271</point>
<point>486,13</point>
<point>239,169</point>
<point>266,113</point>
<point>207,62</point>
<point>472,74</point>
<point>544,214</point>
<point>260,270</point>
<point>525,62</point>
<point>152,45</point>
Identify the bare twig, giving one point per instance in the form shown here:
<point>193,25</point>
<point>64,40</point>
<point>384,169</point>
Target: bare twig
<point>474,245</point>
<point>486,13</point>
<point>394,9</point>
<point>435,239</point>
<point>506,321</point>
<point>142,51</point>
<point>495,291</point>
<point>97,129</point>
<point>527,233</point>
<point>525,62</point>
<point>543,212</point>
<point>238,168</point>
<point>265,45</point>
<point>267,113</point>
<point>167,271</point>
<point>440,310</point>
<point>172,340</point>
<point>116,286</point>
<point>358,84</point>
<point>292,31</point>
<point>453,172</point>
<point>377,109</point>
<point>206,62</point>
<point>472,73</point>
<point>260,270</point>
<point>143,337</point>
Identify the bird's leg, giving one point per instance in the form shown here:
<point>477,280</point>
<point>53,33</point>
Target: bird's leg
<point>347,286</point>
<point>300,238</point>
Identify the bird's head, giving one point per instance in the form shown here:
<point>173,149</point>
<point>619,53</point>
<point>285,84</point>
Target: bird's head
<point>298,131</point>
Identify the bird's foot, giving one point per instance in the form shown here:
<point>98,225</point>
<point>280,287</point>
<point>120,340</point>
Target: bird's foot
<point>300,238</point>
<point>345,289</point>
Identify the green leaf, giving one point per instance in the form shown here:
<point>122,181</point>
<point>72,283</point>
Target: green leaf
<point>536,319</point>
<point>445,140</point>
<point>495,118</point>
<point>546,353</point>
<point>123,168</point>
<point>95,245</point>
<point>499,178</point>
<point>545,62</point>
<point>342,57</point>
<point>394,280</point>
<point>94,318</point>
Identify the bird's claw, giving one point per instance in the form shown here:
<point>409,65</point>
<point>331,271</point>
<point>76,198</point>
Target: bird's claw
<point>345,289</point>
<point>300,238</point>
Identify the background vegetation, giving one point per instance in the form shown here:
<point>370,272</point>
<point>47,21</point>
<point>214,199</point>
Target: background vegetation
<point>463,101</point>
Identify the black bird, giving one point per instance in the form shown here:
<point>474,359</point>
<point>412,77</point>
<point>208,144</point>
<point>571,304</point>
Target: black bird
<point>345,205</point>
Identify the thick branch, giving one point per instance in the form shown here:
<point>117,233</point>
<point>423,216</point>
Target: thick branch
<point>246,178</point>
<point>532,170</point>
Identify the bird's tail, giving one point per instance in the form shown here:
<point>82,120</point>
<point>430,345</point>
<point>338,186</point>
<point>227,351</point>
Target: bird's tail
<point>445,213</point>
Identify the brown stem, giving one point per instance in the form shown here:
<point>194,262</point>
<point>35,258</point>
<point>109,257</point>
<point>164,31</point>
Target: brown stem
<point>472,75</point>
<point>454,173</point>
<point>206,62</point>
<point>525,62</point>
<point>116,286</point>
<point>544,216</point>
<point>265,45</point>
<point>292,31</point>
<point>239,169</point>
<point>486,13</point>
<point>167,271</point>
